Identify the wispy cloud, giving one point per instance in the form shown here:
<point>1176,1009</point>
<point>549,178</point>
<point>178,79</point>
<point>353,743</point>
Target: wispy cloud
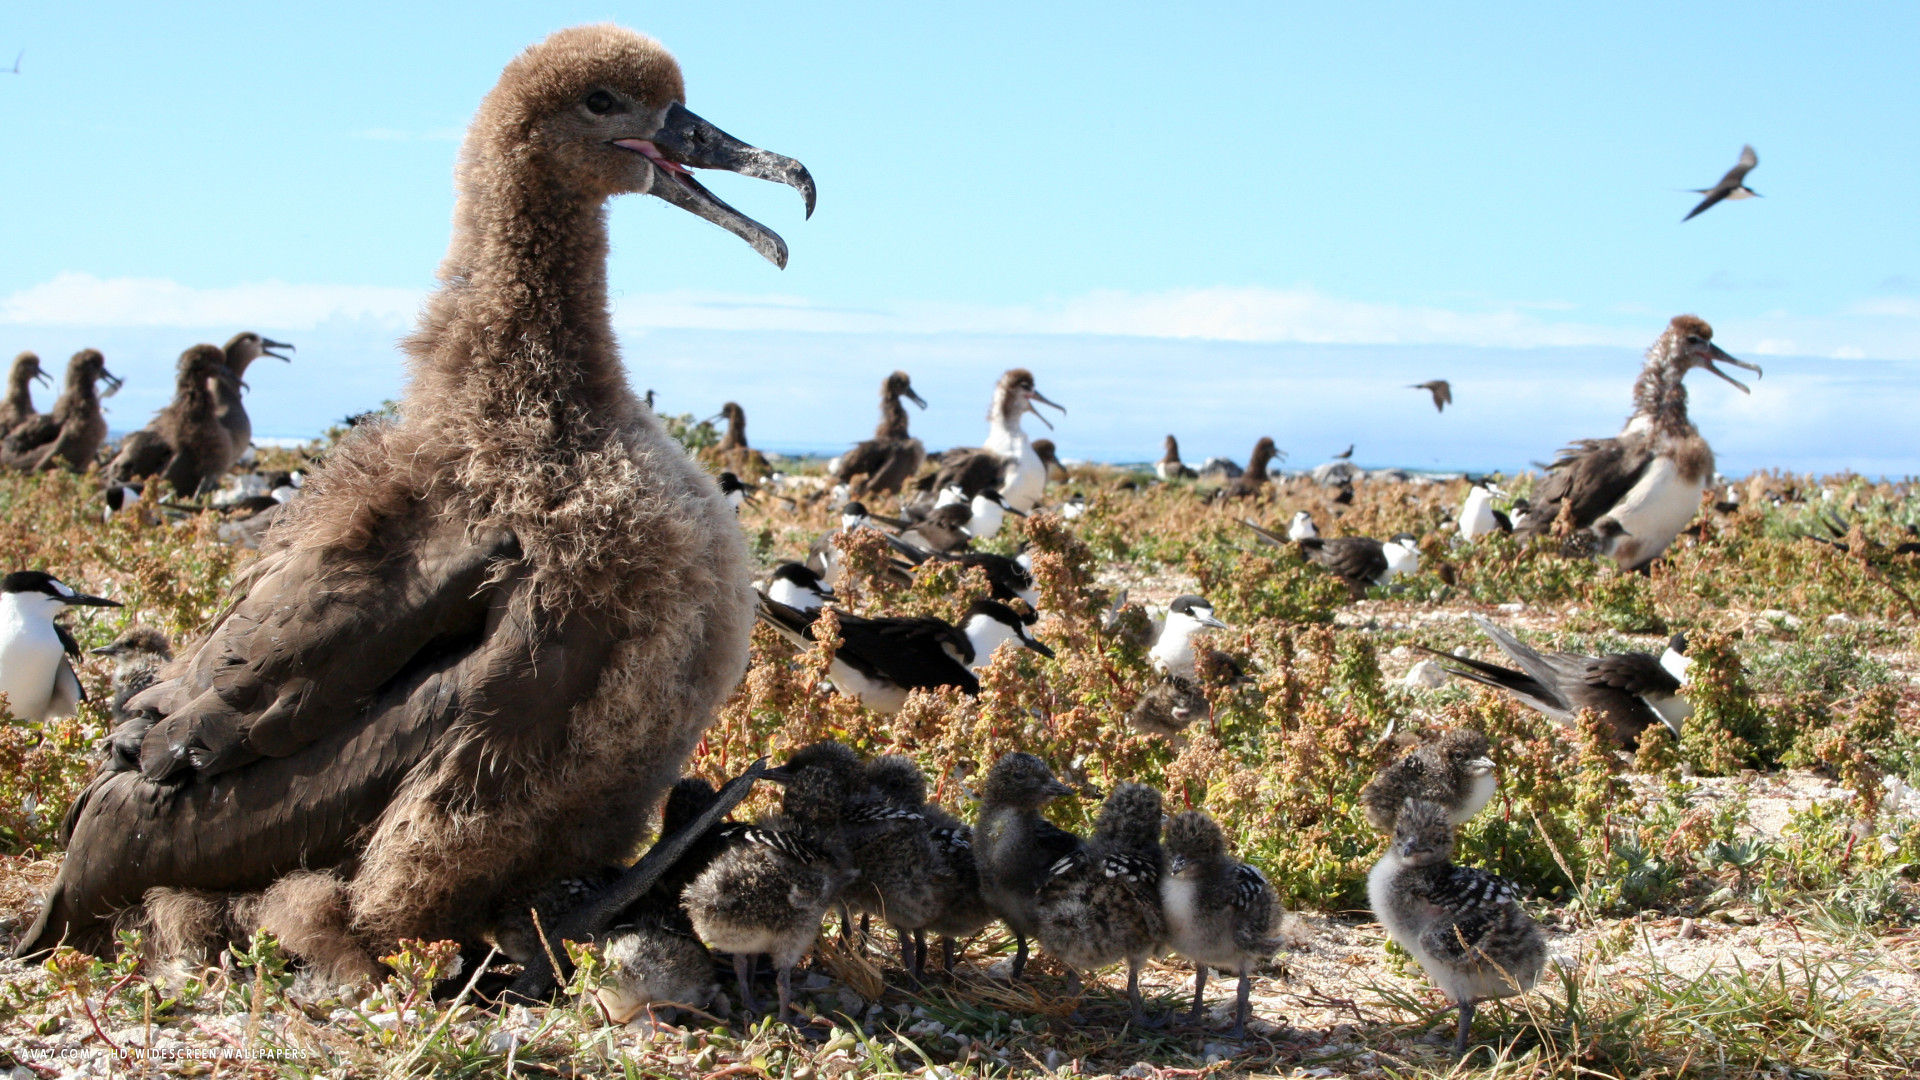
<point>1885,327</point>
<point>73,299</point>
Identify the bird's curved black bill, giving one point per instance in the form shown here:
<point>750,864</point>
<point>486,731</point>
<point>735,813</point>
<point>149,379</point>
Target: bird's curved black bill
<point>913,397</point>
<point>688,142</point>
<point>267,345</point>
<point>114,382</point>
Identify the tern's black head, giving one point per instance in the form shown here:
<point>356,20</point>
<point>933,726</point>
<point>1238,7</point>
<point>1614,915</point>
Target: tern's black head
<point>854,508</point>
<point>802,576</point>
<point>1020,779</point>
<point>1006,616</point>
<point>41,583</point>
<point>1190,605</point>
<point>1678,643</point>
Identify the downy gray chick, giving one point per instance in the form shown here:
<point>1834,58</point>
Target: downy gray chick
<point>767,892</point>
<point>888,841</point>
<point>1219,910</point>
<point>1466,927</point>
<point>1453,770</point>
<point>1101,903</point>
<point>1014,847</point>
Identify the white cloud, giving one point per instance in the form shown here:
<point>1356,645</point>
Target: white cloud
<point>1898,307</point>
<point>1879,328</point>
<point>73,299</point>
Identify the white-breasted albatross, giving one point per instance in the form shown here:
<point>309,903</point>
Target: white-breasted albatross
<point>1633,493</point>
<point>1007,460</point>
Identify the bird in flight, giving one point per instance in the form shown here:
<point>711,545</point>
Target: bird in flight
<point>1440,389</point>
<point>15,69</point>
<point>1731,186</point>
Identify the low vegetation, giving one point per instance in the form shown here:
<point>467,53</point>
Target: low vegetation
<point>1803,680</point>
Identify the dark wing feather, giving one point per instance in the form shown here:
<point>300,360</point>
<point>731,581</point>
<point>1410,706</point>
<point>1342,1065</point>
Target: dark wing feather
<point>1501,678</point>
<point>1714,195</point>
<point>1131,867</point>
<point>31,434</point>
<point>1050,841</point>
<point>1592,475</point>
<point>142,454</point>
<point>973,470</point>
<point>1479,904</point>
<point>291,659</point>
<point>1355,558</point>
<point>1635,673</point>
<point>1250,887</point>
<point>910,652</point>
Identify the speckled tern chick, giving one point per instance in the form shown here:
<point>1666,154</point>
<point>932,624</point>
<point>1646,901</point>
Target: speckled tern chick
<point>1453,770</point>
<point>1101,903</point>
<point>1014,847</point>
<point>889,842</point>
<point>1466,927</point>
<point>1219,910</point>
<point>768,892</point>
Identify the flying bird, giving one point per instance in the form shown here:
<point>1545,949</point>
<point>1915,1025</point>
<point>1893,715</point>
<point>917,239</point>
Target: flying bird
<point>1731,186</point>
<point>1441,390</point>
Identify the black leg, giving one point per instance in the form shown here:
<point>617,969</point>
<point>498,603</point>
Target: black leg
<point>1138,1007</point>
<point>743,973</point>
<point>919,953</point>
<point>1243,1007</point>
<point>1199,987</point>
<point>1019,956</point>
<point>946,954</point>
<point>1466,1028</point>
<point>907,956</point>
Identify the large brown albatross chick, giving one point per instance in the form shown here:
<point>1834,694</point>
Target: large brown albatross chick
<point>479,648</point>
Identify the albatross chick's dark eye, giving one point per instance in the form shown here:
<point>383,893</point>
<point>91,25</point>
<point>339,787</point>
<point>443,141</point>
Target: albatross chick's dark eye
<point>601,103</point>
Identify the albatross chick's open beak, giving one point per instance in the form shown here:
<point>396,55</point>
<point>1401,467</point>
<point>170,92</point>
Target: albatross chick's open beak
<point>1035,395</point>
<point>913,397</point>
<point>267,345</point>
<point>1706,352</point>
<point>114,382</point>
<point>686,142</point>
<point>46,380</point>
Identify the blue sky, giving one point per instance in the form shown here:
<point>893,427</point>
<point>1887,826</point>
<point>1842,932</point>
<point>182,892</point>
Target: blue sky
<point>1314,199</point>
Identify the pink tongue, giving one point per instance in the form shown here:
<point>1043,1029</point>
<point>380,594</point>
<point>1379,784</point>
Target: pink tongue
<point>652,153</point>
